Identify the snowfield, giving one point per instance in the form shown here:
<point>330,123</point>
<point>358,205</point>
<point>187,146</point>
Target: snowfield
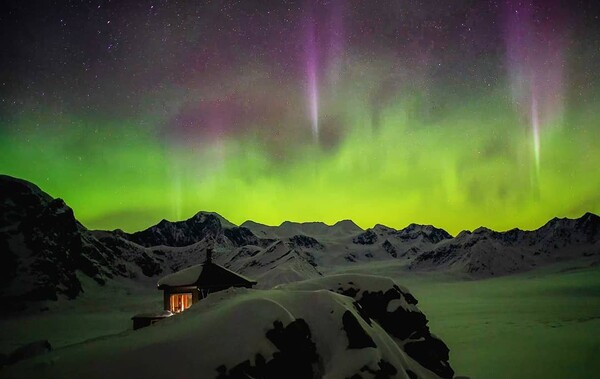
<point>301,331</point>
<point>541,324</point>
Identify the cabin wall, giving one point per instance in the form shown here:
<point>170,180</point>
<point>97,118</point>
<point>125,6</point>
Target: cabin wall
<point>166,299</point>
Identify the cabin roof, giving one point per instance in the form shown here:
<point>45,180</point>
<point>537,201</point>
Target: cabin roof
<point>205,275</point>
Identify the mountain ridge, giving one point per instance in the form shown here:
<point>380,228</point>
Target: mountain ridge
<point>44,246</point>
<point>251,224</point>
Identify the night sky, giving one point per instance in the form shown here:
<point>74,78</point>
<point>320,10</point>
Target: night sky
<point>452,113</point>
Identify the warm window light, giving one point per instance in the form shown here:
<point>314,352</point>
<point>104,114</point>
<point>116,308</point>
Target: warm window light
<point>180,302</point>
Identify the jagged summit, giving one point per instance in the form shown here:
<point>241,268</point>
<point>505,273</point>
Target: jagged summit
<point>591,217</point>
<point>203,225</point>
<point>429,232</point>
<point>202,215</point>
<point>586,218</point>
<point>482,230</point>
<point>16,186</point>
<point>342,223</point>
<point>311,228</point>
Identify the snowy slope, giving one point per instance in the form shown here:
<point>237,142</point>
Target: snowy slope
<point>369,327</point>
<point>278,263</point>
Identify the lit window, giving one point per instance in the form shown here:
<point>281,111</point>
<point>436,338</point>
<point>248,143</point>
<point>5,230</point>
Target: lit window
<point>180,302</point>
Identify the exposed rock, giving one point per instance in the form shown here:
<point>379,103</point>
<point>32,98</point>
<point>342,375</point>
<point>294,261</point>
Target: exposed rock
<point>296,356</point>
<point>201,226</point>
<point>241,236</point>
<point>367,238</point>
<point>302,241</point>
<point>387,246</point>
<point>428,233</point>
<point>431,353</point>
<point>41,243</point>
<point>394,309</point>
<point>357,337</point>
<point>42,246</point>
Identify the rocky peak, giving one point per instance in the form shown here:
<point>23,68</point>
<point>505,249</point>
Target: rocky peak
<point>19,199</point>
<point>589,223</point>
<point>587,228</point>
<point>203,225</point>
<point>428,232</point>
<point>42,245</point>
<point>302,241</point>
<point>482,230</point>
<point>241,236</point>
<point>463,234</point>
<point>382,229</point>
<point>369,237</point>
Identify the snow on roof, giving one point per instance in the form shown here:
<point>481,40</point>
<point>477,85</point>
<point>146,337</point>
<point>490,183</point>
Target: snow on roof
<point>182,278</point>
<point>205,275</point>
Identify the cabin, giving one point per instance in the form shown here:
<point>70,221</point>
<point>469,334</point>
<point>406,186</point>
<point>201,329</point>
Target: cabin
<point>183,288</point>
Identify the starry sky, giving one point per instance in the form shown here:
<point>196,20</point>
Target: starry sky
<point>452,113</point>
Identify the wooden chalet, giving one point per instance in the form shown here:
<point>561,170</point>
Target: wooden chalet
<point>183,288</point>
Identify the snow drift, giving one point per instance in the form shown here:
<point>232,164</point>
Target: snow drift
<point>347,326</point>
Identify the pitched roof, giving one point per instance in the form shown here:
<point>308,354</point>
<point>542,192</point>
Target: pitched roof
<point>205,275</point>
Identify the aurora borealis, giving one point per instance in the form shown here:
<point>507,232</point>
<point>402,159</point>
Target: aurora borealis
<point>457,114</point>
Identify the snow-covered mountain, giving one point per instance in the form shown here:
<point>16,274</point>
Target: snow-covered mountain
<point>289,229</point>
<point>484,252</point>
<point>203,225</point>
<point>44,247</point>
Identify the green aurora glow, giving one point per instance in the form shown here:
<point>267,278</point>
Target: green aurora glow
<point>453,153</point>
<point>471,168</point>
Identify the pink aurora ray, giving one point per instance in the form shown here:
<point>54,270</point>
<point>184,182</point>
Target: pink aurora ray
<point>535,45</point>
<point>324,49</point>
<point>312,65</point>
